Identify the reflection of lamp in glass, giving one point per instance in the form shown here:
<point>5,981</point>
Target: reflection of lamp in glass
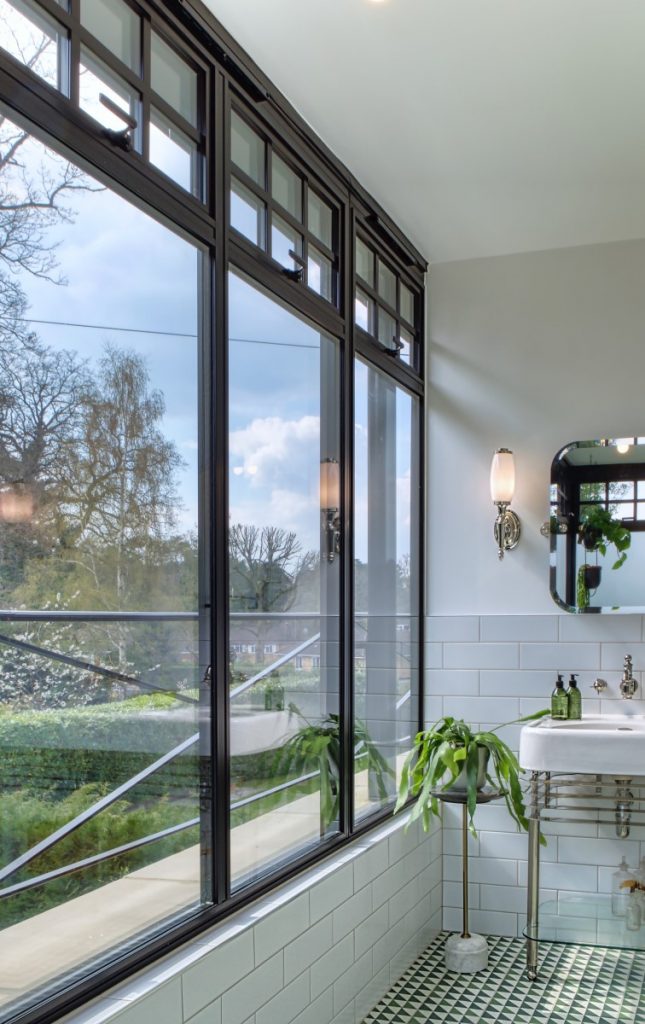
<point>502,489</point>
<point>16,505</point>
<point>330,504</point>
<point>623,444</point>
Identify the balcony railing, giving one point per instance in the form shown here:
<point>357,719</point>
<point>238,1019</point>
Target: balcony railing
<point>47,844</point>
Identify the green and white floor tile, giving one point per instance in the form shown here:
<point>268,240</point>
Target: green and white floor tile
<point>576,985</point>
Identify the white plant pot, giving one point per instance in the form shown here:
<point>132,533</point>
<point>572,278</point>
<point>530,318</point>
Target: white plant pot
<point>460,785</point>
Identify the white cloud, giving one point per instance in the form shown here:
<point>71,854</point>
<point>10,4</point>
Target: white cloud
<point>274,450</point>
<point>276,475</point>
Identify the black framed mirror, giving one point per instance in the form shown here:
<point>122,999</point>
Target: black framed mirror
<point>597,526</point>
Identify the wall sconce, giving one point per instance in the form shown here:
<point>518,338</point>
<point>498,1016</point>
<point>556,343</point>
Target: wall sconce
<point>502,488</point>
<point>330,504</point>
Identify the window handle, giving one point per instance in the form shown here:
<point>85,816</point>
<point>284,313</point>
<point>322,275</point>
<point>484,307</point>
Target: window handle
<point>398,345</point>
<point>123,139</point>
<point>297,273</point>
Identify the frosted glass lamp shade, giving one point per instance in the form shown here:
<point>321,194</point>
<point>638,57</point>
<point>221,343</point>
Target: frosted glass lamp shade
<point>502,476</point>
<point>329,484</point>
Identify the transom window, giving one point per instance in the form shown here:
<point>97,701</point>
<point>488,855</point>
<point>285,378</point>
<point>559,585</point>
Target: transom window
<point>133,81</point>
<point>385,307</point>
<point>277,208</point>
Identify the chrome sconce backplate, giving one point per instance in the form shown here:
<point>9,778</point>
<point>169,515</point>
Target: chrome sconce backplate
<point>507,528</point>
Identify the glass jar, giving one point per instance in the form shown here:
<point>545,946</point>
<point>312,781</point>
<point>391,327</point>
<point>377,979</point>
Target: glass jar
<point>620,888</point>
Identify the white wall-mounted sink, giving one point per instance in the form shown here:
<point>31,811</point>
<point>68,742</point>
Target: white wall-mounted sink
<point>599,744</point>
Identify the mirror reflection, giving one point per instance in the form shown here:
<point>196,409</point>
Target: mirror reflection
<point>597,526</point>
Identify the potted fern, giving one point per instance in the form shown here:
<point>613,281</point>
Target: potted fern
<point>451,755</point>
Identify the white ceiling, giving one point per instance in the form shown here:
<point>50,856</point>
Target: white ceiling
<point>483,126</point>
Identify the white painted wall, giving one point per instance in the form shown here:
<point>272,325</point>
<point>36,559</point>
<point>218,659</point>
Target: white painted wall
<point>527,352</point>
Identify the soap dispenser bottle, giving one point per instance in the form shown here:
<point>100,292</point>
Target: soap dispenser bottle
<point>574,698</point>
<point>559,700</point>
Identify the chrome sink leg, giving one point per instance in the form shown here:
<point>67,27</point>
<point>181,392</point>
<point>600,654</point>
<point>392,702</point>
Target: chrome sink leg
<point>533,893</point>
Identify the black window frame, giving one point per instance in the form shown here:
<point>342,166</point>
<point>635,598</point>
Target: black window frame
<point>232,81</point>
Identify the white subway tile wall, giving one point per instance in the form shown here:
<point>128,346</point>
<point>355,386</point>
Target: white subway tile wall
<point>493,669</point>
<point>321,950</point>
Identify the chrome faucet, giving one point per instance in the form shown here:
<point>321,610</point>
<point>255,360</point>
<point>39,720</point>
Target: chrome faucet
<point>628,684</point>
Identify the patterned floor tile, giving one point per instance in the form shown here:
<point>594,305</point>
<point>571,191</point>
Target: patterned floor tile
<point>576,985</point>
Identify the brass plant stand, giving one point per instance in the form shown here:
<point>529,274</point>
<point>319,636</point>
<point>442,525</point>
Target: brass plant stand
<point>466,953</point>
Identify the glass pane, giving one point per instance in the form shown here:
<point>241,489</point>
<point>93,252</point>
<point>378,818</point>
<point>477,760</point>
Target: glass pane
<point>621,489</point>
<point>319,273</point>
<point>247,150</point>
<point>407,303</point>
<point>248,214</point>
<point>386,284</point>
<point>641,510</point>
<point>99,517</point>
<point>592,492</point>
<point>32,38</point>
<point>283,241</point>
<point>173,79</point>
<point>407,341</point>
<point>364,312</point>
<point>283,587</point>
<point>320,219</point>
<point>386,329</point>
<point>173,152</point>
<point>96,80</point>
<point>364,262</point>
<point>116,26</point>
<point>641,489</point>
<point>386,560</point>
<point>286,187</point>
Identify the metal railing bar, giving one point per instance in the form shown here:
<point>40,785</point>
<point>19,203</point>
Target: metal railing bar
<point>88,862</point>
<point>94,809</point>
<point>88,666</point>
<point>274,789</point>
<point>9,615</point>
<point>243,687</point>
<point>54,615</point>
<point>29,615</point>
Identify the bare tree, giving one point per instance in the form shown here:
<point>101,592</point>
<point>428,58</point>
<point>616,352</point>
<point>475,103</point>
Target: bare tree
<point>34,197</point>
<point>266,566</point>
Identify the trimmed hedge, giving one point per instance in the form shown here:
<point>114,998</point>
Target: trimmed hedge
<point>57,752</point>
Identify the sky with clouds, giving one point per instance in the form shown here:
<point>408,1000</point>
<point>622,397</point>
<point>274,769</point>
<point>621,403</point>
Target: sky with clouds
<point>125,270</point>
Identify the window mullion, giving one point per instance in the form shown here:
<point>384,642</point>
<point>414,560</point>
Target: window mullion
<point>221,755</point>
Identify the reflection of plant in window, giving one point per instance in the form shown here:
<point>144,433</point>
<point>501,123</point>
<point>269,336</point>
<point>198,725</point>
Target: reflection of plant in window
<point>316,746</point>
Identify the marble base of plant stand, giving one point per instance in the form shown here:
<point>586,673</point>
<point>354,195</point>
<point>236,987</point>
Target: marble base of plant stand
<point>466,955</point>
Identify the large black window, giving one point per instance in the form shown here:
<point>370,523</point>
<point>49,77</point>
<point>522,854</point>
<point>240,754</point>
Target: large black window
<point>211,451</point>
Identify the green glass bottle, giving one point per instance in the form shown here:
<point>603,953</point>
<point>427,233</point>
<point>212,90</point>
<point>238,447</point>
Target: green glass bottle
<point>559,700</point>
<point>574,698</point>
